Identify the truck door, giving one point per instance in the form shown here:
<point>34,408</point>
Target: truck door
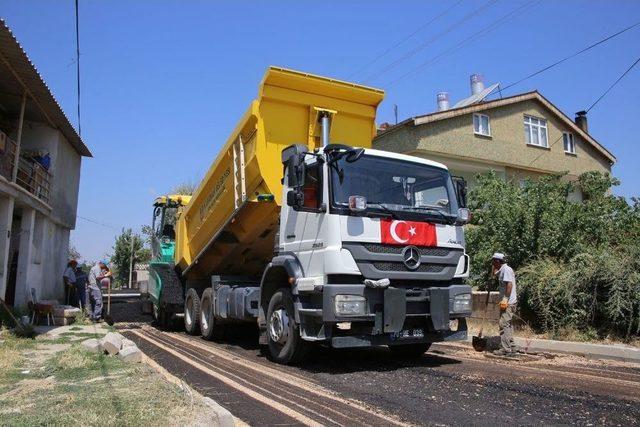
<point>312,215</point>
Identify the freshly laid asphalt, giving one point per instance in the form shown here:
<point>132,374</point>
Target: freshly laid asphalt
<point>449,385</point>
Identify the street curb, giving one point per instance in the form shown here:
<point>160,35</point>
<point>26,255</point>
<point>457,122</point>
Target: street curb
<point>225,418</point>
<point>619,352</point>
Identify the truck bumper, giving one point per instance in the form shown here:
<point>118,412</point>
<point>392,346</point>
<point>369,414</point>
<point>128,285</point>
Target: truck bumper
<point>392,316</point>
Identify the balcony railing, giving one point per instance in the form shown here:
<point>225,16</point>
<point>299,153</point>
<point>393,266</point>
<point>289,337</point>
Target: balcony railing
<point>32,176</point>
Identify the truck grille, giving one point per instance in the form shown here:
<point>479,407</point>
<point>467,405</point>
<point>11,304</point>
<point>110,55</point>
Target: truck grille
<point>399,266</point>
<point>378,248</point>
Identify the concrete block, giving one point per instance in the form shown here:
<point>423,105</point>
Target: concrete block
<point>63,321</point>
<point>223,416</point>
<point>92,345</point>
<point>130,354</point>
<point>112,343</point>
<point>128,343</point>
<point>65,311</point>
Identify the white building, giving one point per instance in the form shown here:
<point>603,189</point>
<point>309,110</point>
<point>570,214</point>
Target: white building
<point>40,156</point>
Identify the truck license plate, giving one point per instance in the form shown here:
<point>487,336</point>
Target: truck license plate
<point>410,334</point>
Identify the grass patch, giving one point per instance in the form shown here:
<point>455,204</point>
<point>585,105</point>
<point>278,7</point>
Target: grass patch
<point>75,387</point>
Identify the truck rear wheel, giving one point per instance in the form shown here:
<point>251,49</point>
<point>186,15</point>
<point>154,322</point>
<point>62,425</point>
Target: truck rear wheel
<point>286,346</point>
<point>410,350</point>
<point>209,328</point>
<point>192,312</point>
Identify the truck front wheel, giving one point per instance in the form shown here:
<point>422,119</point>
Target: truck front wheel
<point>192,312</point>
<point>209,328</point>
<point>285,344</point>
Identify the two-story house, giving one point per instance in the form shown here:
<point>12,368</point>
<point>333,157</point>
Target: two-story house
<point>518,136</point>
<point>40,157</point>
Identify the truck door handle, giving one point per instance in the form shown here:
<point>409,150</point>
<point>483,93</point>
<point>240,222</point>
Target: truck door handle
<point>291,236</point>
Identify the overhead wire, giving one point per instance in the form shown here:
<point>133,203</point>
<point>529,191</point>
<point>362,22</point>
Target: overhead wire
<point>78,63</point>
<point>478,34</point>
<point>426,43</point>
<point>393,47</point>
<point>573,55</point>
<point>612,85</point>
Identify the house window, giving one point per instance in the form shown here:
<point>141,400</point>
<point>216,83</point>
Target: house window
<point>569,144</point>
<point>481,125</point>
<point>535,131</point>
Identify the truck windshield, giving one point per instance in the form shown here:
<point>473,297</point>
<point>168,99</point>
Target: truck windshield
<point>395,186</point>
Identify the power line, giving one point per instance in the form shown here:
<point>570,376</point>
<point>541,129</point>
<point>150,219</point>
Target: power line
<point>483,32</point>
<point>614,83</point>
<point>78,64</point>
<point>93,221</point>
<point>390,49</point>
<point>431,40</point>
<point>573,55</point>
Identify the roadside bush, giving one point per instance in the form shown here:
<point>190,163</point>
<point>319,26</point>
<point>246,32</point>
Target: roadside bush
<point>577,263</point>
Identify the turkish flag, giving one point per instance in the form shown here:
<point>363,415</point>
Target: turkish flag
<point>397,232</point>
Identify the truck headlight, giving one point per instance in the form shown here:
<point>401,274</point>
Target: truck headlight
<point>350,305</point>
<point>462,302</point>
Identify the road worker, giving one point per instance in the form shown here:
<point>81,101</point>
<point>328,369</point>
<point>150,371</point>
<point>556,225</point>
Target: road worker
<point>508,300</point>
<point>95,293</point>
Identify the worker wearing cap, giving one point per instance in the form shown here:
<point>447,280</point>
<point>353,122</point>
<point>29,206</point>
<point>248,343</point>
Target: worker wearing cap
<point>508,300</point>
<point>95,293</point>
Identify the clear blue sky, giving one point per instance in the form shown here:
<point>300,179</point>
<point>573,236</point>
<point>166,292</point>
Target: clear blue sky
<point>163,82</point>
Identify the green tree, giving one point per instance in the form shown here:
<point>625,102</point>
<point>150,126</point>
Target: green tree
<point>122,252</point>
<point>577,263</point>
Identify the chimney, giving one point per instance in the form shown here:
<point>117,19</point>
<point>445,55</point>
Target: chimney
<point>581,121</point>
<point>443,101</point>
<point>477,83</point>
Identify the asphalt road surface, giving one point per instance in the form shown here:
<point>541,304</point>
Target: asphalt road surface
<point>449,385</point>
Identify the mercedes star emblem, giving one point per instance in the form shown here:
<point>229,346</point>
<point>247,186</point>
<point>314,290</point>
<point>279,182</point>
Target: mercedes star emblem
<point>411,257</point>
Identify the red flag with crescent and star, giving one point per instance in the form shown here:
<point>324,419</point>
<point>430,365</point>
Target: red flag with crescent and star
<point>397,232</point>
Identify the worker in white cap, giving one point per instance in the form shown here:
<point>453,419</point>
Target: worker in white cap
<point>508,300</point>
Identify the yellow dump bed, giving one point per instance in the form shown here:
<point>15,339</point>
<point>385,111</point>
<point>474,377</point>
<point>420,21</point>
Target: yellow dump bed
<point>229,225</point>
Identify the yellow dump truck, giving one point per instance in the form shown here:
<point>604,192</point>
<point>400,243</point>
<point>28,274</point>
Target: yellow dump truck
<point>299,226</point>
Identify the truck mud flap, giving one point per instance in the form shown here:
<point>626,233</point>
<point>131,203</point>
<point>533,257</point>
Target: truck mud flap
<point>440,308</point>
<point>395,309</point>
<point>171,286</point>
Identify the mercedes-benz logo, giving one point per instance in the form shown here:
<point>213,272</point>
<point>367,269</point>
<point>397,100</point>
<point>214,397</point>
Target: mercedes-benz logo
<point>411,257</point>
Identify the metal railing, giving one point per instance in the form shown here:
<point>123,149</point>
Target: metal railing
<point>32,176</point>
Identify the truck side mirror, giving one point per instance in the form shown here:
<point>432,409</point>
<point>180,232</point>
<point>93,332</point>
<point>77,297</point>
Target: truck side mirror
<point>295,198</point>
<point>295,171</point>
<point>460,186</point>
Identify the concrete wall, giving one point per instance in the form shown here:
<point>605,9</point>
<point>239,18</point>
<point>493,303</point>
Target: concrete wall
<point>65,169</point>
<point>454,138</point>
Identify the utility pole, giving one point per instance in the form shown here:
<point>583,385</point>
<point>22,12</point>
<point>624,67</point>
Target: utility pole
<point>131,259</point>
<point>395,112</point>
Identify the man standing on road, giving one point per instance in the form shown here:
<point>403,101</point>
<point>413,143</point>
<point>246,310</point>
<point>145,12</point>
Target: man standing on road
<point>508,300</point>
<point>95,293</point>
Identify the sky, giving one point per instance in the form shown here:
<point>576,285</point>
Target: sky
<point>164,82</point>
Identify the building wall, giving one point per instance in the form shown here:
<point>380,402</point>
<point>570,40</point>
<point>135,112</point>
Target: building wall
<point>65,169</point>
<point>454,139</point>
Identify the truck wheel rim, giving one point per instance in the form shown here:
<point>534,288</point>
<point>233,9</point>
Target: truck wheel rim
<point>187,312</point>
<point>205,317</point>
<point>279,326</point>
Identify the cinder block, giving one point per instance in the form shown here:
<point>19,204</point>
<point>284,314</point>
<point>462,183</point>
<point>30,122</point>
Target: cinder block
<point>66,311</point>
<point>92,345</point>
<point>128,343</point>
<point>63,321</point>
<point>112,343</point>
<point>130,354</point>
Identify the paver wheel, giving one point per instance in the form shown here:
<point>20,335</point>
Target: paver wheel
<point>192,312</point>
<point>286,346</point>
<point>209,328</point>
<point>410,350</point>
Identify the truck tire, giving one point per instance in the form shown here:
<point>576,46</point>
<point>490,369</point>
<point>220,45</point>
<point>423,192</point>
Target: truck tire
<point>192,312</point>
<point>410,350</point>
<point>286,346</point>
<point>209,328</point>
